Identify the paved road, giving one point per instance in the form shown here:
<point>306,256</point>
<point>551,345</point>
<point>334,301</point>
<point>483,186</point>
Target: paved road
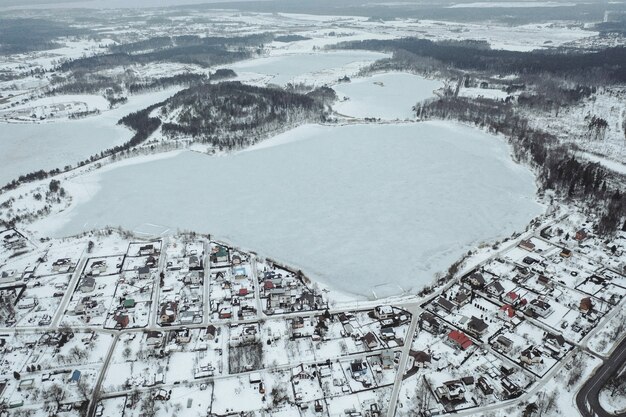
<point>393,402</point>
<point>587,398</point>
<point>91,410</point>
<point>69,291</point>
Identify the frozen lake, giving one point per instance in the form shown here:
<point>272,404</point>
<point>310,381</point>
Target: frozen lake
<point>353,206</point>
<point>29,147</point>
<point>387,96</point>
<point>311,68</point>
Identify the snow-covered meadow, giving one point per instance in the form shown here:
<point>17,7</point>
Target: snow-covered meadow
<point>387,96</point>
<point>355,206</point>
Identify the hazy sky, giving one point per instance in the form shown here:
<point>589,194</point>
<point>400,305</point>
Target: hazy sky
<point>101,4</point>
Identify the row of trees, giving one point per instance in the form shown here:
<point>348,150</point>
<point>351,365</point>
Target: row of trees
<point>556,166</point>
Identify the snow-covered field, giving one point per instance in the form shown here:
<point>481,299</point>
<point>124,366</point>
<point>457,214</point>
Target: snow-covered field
<point>28,147</point>
<point>310,68</point>
<point>387,96</point>
<point>354,206</point>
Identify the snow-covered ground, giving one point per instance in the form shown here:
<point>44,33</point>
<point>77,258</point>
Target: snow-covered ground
<point>387,96</point>
<point>309,68</point>
<point>370,204</point>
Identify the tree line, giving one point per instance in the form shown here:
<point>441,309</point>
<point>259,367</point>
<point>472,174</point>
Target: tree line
<point>608,64</point>
<point>556,166</point>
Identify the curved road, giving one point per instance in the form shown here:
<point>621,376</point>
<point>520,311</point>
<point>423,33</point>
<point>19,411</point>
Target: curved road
<point>587,399</point>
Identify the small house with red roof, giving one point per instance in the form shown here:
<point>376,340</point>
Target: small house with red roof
<point>459,340</point>
<point>506,312</point>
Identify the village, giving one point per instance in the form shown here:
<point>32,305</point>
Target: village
<point>109,324</point>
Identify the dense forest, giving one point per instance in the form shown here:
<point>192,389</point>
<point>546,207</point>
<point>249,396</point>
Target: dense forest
<point>607,65</point>
<point>557,169</point>
<point>26,35</point>
<point>232,114</point>
<point>202,51</point>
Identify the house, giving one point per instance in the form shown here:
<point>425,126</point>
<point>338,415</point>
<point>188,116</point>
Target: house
<point>477,326</point>
<point>484,386</point>
<point>225,313</point>
<point>302,372</point>
<point>545,281</point>
<point>429,323</point>
<point>494,288</point>
<point>446,304</point>
<point>358,369</point>
<point>211,332</point>
<point>580,235</point>
<point>566,253</point>
<point>387,359</point>
<point>421,359</point>
<point>477,280</point>
<point>555,344</point>
<point>87,284</point>
<point>585,305</point>
<point>183,336</point>
<point>383,312</point>
<point>168,313</point>
<point>75,377</point>
<point>128,303</point>
<point>531,355</point>
<point>192,278</point>
<point>370,340</point>
<point>387,333</point>
<point>219,254</point>
<point>540,308</point>
<point>194,262</point>
<point>279,297</point>
<point>147,250</point>
<point>463,296</point>
<point>503,344</point>
<point>459,340</point>
<point>309,299</point>
<point>151,262</point>
<point>121,320</point>
<point>511,389</point>
<point>506,312</point>
<point>240,273</point>
<point>144,272</point>
<point>62,265</point>
<point>451,391</point>
<point>527,244</point>
<point>511,297</point>
<point>154,339</point>
<point>99,266</point>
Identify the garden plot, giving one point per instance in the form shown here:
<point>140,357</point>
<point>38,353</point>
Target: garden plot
<point>91,300</point>
<point>149,248</point>
<point>502,269</point>
<point>58,365</point>
<point>479,308</point>
<point>602,289</point>
<point>39,302</point>
<point>529,346</point>
<point>182,283</point>
<point>373,400</point>
<point>442,353</point>
<point>522,257</point>
<point>232,292</point>
<point>248,392</point>
<point>333,380</point>
<point>305,384</point>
